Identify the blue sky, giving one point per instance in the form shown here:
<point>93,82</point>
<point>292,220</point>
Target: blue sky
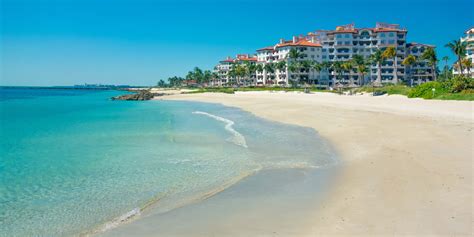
<point>138,42</point>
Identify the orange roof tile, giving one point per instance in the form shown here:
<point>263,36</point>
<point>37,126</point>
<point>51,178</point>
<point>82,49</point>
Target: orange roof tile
<point>388,30</point>
<point>301,42</point>
<point>266,48</point>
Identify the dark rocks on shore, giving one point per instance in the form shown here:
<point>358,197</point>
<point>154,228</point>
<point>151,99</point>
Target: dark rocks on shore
<point>140,95</point>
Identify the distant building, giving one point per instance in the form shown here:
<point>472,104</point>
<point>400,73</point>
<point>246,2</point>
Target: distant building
<point>341,45</point>
<point>224,68</point>
<point>469,38</point>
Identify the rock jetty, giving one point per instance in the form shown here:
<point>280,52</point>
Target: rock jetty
<point>139,95</point>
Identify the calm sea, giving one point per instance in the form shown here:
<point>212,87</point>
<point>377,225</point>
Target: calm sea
<point>74,162</point>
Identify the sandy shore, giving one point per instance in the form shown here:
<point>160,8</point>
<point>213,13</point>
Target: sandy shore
<point>407,170</point>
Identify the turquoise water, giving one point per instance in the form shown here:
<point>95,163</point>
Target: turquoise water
<point>74,162</point>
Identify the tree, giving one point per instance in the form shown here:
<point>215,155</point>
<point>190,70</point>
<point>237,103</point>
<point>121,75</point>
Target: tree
<point>378,59</point>
<point>280,66</point>
<point>161,83</point>
<point>446,68</point>
<point>467,63</point>
<point>391,53</point>
<point>361,67</point>
<point>318,67</point>
<point>325,66</point>
<point>215,77</point>
<point>238,71</point>
<point>294,67</point>
<point>336,66</point>
<point>305,66</point>
<point>459,49</point>
<point>347,67</point>
<point>430,55</point>
<point>409,61</point>
<point>250,69</point>
<point>295,54</point>
<point>207,76</point>
<point>269,68</point>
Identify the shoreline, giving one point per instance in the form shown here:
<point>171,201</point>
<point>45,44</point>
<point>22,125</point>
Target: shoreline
<point>405,169</point>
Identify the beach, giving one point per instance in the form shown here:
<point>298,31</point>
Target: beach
<point>406,163</point>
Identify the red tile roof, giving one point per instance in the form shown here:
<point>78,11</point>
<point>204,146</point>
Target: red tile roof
<point>301,42</point>
<point>244,57</point>
<point>266,48</point>
<point>388,30</point>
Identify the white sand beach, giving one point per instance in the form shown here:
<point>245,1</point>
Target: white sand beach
<point>406,170</point>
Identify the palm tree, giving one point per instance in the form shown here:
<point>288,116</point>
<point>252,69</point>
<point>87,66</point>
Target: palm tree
<point>305,66</point>
<point>325,66</point>
<point>294,67</point>
<point>238,71</point>
<point>446,68</point>
<point>294,54</point>
<point>459,49</point>
<point>409,61</point>
<point>467,63</point>
<point>280,66</point>
<point>318,67</point>
<point>269,68</point>
<point>430,56</point>
<point>207,76</point>
<point>378,59</point>
<point>391,52</point>
<point>250,69</point>
<point>347,67</point>
<point>337,68</point>
<point>361,66</point>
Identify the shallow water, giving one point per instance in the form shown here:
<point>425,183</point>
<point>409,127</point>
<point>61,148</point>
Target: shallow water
<point>74,162</point>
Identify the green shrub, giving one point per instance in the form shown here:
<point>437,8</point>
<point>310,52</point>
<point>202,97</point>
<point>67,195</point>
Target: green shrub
<point>425,90</point>
<point>460,83</point>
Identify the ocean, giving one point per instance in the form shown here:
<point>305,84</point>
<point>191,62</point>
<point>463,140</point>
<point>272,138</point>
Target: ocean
<point>74,162</point>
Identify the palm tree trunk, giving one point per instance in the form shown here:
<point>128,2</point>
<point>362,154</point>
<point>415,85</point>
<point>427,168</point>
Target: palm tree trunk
<point>434,72</point>
<point>395,66</point>
<point>460,66</point>
<point>379,74</point>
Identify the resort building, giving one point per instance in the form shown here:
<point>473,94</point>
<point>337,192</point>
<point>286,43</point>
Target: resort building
<point>325,47</point>
<point>275,61</point>
<point>225,74</point>
<point>469,39</point>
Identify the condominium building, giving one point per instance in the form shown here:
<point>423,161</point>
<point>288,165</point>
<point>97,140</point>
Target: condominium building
<point>469,39</point>
<point>224,68</point>
<point>340,45</point>
<point>278,56</point>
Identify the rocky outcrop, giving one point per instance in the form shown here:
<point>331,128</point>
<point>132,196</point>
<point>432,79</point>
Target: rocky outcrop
<point>140,95</point>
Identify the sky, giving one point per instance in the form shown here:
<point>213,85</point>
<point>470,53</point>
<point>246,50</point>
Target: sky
<point>139,42</point>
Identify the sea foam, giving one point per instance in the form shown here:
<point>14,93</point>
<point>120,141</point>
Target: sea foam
<point>237,138</point>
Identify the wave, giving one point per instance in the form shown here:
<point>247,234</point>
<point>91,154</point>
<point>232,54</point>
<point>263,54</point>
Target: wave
<point>127,217</point>
<point>238,138</point>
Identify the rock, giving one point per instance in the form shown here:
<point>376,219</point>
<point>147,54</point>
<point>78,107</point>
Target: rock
<point>140,95</point>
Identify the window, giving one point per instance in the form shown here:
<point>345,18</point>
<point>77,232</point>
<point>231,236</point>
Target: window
<point>382,42</point>
<point>382,35</point>
<point>312,49</point>
<point>391,41</point>
<point>391,34</point>
<point>347,35</point>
